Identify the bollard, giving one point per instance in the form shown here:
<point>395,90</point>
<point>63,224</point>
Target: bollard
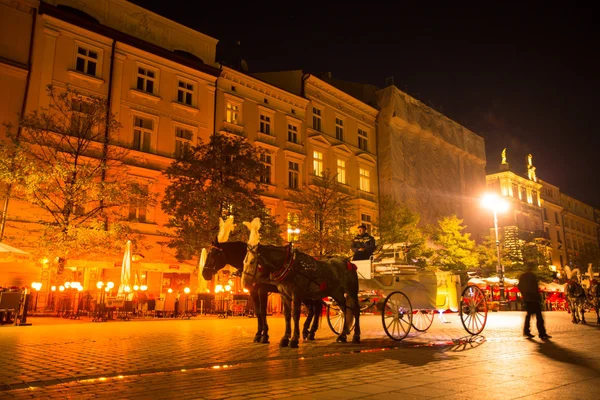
<point>23,319</point>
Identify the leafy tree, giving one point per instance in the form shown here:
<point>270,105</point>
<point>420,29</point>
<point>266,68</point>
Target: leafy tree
<point>61,160</point>
<point>456,250</point>
<point>398,224</point>
<point>488,256</point>
<point>590,253</point>
<point>323,218</point>
<point>532,255</point>
<point>214,180</point>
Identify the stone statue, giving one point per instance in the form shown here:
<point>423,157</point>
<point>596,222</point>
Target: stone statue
<point>504,156</point>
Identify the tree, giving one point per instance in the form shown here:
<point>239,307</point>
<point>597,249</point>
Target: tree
<point>488,256</point>
<point>532,255</point>
<point>457,250</point>
<point>323,218</point>
<point>214,180</point>
<point>398,225</point>
<point>61,160</point>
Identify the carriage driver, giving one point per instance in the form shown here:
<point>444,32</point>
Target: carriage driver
<point>363,244</point>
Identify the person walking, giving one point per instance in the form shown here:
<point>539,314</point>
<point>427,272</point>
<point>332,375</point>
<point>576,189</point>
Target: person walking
<point>363,244</point>
<point>528,286</point>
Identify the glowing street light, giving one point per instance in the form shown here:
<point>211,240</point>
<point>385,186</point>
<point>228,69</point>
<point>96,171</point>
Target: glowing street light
<point>497,204</point>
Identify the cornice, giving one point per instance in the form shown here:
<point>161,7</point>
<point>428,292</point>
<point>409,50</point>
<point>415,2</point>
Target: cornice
<point>153,111</point>
<point>366,158</point>
<point>342,149</point>
<point>263,88</point>
<point>515,178</point>
<point>338,94</point>
<point>319,139</point>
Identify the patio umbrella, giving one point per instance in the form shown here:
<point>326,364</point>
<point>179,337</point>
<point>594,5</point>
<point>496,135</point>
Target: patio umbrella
<point>9,253</point>
<point>126,272</point>
<point>202,285</point>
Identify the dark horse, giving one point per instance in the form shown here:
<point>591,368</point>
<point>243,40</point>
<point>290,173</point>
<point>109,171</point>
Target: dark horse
<point>233,253</point>
<point>299,276</point>
<point>576,299</point>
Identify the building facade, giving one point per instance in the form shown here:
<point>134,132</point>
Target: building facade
<point>159,78</point>
<point>340,137</point>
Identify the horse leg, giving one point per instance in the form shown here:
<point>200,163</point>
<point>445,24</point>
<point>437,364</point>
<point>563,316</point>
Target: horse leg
<point>317,310</point>
<point>309,317</point>
<point>296,314</point>
<point>258,311</point>
<point>582,308</point>
<point>573,310</point>
<point>287,313</point>
<point>342,337</point>
<point>264,298</point>
<point>356,312</point>
<point>597,311</point>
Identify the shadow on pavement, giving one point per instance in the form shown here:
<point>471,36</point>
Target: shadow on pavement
<point>564,355</point>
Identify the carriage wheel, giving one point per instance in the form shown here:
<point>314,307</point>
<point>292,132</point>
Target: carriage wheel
<point>397,315</point>
<point>473,310</point>
<point>422,319</point>
<point>336,318</point>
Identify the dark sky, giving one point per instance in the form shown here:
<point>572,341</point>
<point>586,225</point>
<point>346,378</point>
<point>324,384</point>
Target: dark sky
<point>524,77</point>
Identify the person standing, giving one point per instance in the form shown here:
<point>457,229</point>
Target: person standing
<point>528,286</point>
<point>363,244</point>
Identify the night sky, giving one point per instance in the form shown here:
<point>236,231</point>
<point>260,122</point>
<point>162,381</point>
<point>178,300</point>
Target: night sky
<point>524,77</point>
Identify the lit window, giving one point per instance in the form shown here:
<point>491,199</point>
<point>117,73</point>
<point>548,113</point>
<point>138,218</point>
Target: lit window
<point>265,124</point>
<point>318,163</point>
<point>293,175</point>
<point>183,141</point>
<point>316,119</point>
<point>292,225</point>
<point>365,181</point>
<point>146,80</point>
<point>341,171</point>
<point>363,140</point>
<point>142,134</point>
<point>267,162</point>
<point>232,113</point>
<point>185,93</point>
<point>292,133</point>
<point>87,61</point>
<point>339,129</point>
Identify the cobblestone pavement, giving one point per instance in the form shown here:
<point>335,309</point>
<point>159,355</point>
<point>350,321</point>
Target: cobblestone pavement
<point>211,358</point>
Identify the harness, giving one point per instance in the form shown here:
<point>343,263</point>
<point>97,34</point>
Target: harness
<point>288,261</point>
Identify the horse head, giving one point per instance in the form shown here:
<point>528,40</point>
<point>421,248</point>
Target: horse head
<point>215,260</point>
<point>250,271</point>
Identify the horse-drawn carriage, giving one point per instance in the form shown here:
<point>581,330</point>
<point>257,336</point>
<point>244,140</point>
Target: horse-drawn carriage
<point>408,297</point>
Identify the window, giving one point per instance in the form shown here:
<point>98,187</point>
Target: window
<point>363,140</point>
<point>87,61</point>
<point>146,80</point>
<point>545,215</point>
<point>534,198</point>
<point>316,119</point>
<point>185,93</point>
<point>293,174</point>
<point>339,129</point>
<point>366,219</point>
<point>515,190</point>
<point>556,217</point>
<point>142,134</point>
<point>317,163</point>
<point>233,111</point>
<point>265,124</point>
<point>523,195</point>
<point>558,239</point>
<point>81,120</point>
<point>365,181</point>
<point>292,133</point>
<point>267,162</point>
<point>137,208</point>
<point>341,171</point>
<point>183,141</point>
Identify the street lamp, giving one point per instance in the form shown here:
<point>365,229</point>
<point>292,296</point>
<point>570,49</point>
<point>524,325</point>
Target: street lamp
<point>497,204</point>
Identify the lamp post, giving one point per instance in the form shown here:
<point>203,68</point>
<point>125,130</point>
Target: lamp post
<point>497,204</point>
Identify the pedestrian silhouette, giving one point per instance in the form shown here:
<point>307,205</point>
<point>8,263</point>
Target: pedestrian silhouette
<point>528,286</point>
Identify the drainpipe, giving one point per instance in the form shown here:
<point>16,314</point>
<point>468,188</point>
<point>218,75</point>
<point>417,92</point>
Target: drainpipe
<point>23,108</point>
<point>215,101</point>
<point>107,122</point>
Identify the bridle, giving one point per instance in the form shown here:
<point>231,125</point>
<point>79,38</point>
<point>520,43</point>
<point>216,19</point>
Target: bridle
<point>254,264</point>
